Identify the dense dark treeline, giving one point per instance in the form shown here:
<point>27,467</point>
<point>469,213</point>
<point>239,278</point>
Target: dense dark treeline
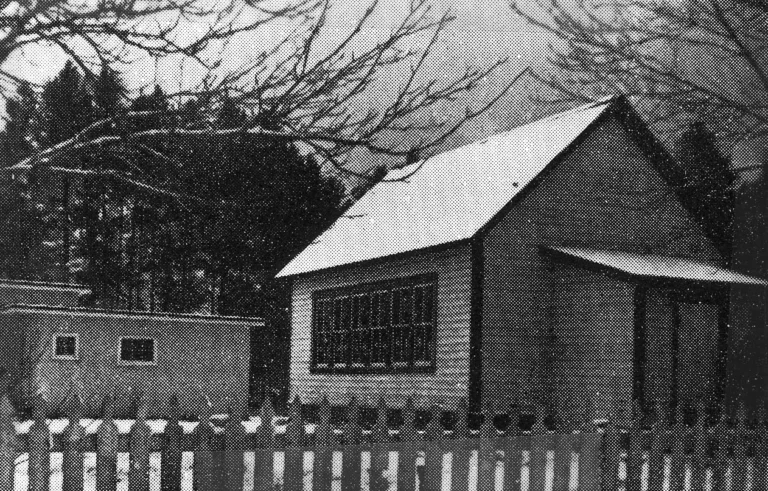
<point>256,203</point>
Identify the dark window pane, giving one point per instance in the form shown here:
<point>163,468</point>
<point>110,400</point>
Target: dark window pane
<point>418,304</point>
<point>346,306</point>
<point>137,350</point>
<point>66,346</point>
<point>336,314</point>
<point>378,346</point>
<point>375,310</point>
<point>385,305</point>
<point>406,307</point>
<point>396,307</point>
<point>397,343</point>
<point>365,306</point>
<point>429,303</point>
<point>355,315</point>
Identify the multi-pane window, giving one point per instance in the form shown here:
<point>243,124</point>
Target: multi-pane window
<point>65,347</point>
<point>137,351</point>
<point>375,326</point>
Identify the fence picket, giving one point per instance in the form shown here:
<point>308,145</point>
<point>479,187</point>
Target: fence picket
<point>39,461</point>
<point>611,455</point>
<point>590,444</point>
<point>170,458</point>
<point>486,453</point>
<point>106,449</point>
<point>657,449</point>
<point>72,464</point>
<point>720,464</point>
<point>293,473</point>
<point>599,453</point>
<point>740,447</point>
<point>7,442</point>
<point>564,443</point>
<point>433,452</point>
<point>461,449</point>
<point>350,464</point>
<point>322,474</point>
<point>379,449</point>
<point>263,466</point>
<point>635,450</point>
<point>677,468</point>
<point>540,443</point>
<point>513,450</point>
<point>141,434</point>
<point>407,449</point>
<point>759,476</point>
<point>203,464</point>
<point>699,458</point>
<point>234,446</point>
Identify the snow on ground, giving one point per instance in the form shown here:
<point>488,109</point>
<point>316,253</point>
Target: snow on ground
<point>57,426</point>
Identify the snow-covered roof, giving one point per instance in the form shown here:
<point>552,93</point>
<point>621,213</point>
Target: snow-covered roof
<point>655,266</point>
<point>445,198</point>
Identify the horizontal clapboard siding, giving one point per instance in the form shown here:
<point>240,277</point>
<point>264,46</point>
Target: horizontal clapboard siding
<point>603,195</point>
<point>592,339</point>
<point>449,381</point>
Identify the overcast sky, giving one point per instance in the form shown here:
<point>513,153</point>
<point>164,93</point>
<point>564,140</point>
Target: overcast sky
<point>484,30</point>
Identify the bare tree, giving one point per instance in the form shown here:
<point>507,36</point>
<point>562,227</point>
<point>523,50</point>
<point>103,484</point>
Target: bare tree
<point>332,100</point>
<point>680,59</point>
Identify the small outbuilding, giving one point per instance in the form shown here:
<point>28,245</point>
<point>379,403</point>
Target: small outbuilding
<point>556,262</point>
<point>64,352</point>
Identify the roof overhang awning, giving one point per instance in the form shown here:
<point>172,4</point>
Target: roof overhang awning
<point>663,270</point>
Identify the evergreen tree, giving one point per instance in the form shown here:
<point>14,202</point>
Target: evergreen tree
<point>21,133</point>
<point>22,231</point>
<point>108,93</point>
<point>708,183</point>
<point>67,105</point>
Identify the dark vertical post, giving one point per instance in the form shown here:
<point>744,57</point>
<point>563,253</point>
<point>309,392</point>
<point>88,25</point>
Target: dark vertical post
<point>721,363</point>
<point>674,392</point>
<point>639,343</point>
<point>476,326</point>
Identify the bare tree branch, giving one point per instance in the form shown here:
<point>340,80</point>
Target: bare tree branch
<point>335,99</point>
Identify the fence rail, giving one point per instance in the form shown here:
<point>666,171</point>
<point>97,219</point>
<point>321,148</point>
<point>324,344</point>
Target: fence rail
<point>346,453</point>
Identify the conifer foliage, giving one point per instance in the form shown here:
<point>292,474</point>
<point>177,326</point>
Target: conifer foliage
<point>258,202</point>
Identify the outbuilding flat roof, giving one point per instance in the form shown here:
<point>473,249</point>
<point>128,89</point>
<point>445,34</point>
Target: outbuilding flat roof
<point>655,266</point>
<point>43,285</point>
<point>445,198</point>
<point>128,313</point>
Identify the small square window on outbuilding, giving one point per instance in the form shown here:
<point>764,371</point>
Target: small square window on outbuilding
<point>66,347</point>
<point>137,351</point>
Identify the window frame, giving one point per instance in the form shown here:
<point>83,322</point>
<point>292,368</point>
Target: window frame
<point>122,362</point>
<point>382,288</point>
<point>57,335</point>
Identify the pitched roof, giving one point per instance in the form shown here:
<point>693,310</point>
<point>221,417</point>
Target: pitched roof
<point>655,266</point>
<point>446,198</point>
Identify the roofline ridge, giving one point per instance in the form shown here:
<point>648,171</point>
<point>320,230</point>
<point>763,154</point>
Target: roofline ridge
<point>136,313</point>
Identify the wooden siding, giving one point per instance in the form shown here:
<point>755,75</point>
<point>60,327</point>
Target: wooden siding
<point>449,381</point>
<point>747,355</point>
<point>603,195</point>
<point>660,329</point>
<point>590,341</point>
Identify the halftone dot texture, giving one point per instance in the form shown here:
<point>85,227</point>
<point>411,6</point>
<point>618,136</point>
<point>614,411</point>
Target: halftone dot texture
<point>569,273</point>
